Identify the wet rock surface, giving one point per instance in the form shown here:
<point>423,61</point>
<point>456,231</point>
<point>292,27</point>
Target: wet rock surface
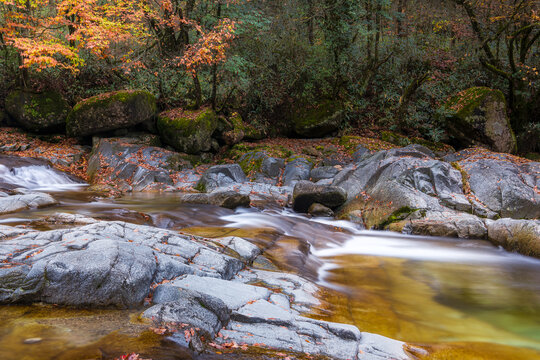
<point>14,203</point>
<point>135,166</point>
<point>193,285</point>
<point>306,193</point>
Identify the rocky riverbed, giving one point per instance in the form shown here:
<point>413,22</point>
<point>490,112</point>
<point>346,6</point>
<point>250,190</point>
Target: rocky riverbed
<point>210,294</point>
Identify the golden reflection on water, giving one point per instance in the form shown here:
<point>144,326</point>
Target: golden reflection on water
<point>381,296</point>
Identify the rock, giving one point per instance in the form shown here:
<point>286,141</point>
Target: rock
<point>324,172</point>
<point>502,183</point>
<point>233,137</point>
<point>318,121</point>
<point>296,170</point>
<point>101,264</point>
<point>478,116</point>
<point>272,167</point>
<point>206,313</point>
<point>14,203</point>
<point>229,199</point>
<point>110,111</point>
<point>188,131</point>
<point>306,193</point>
<point>391,184</point>
<point>522,236</point>
<point>317,209</point>
<point>445,224</point>
<point>261,194</point>
<point>38,112</point>
<point>139,167</point>
<point>233,294</point>
<point>261,167</point>
<point>220,176</point>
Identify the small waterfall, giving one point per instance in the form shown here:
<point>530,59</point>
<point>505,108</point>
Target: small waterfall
<point>37,177</point>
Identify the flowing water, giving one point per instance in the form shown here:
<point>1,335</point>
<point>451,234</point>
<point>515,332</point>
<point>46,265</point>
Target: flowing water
<point>459,299</point>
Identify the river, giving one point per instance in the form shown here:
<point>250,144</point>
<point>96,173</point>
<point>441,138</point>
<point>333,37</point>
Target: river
<point>459,299</point>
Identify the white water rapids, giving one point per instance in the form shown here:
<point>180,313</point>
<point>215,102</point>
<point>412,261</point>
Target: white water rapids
<point>37,177</point>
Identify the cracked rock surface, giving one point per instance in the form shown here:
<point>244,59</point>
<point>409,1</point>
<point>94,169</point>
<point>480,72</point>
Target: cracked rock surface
<point>191,281</point>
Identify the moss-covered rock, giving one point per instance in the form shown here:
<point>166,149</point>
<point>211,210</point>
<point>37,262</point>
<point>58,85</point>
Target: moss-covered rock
<point>188,131</point>
<point>478,116</point>
<point>46,111</point>
<point>111,111</point>
<point>318,121</point>
<point>233,129</point>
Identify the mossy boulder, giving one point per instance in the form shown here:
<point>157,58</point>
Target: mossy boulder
<point>478,116</point>
<point>45,111</point>
<point>233,129</point>
<point>188,131</point>
<point>318,121</point>
<point>111,111</point>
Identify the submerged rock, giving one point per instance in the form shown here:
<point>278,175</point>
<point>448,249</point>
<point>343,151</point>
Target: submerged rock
<point>38,112</point>
<point>111,111</point>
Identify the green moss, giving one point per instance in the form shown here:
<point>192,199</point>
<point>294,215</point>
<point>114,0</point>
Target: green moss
<point>104,101</point>
<point>463,104</point>
<point>277,151</point>
<point>37,111</point>
<point>398,215</point>
<point>251,166</point>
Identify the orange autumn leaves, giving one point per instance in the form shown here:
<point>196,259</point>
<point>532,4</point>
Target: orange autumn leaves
<point>50,34</point>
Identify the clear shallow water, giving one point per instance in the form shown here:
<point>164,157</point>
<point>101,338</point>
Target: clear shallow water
<point>461,299</point>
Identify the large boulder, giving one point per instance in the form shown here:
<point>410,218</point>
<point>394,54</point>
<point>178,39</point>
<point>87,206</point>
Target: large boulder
<point>111,111</point>
<point>318,121</point>
<point>131,164</point>
<point>46,111</point>
<point>478,116</point>
<point>505,184</point>
<point>188,131</point>
<point>391,184</point>
<point>307,193</point>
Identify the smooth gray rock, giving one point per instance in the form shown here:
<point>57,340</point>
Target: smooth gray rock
<point>207,313</point>
<point>296,170</point>
<point>229,199</point>
<point>306,193</point>
<point>233,294</point>
<point>323,172</point>
<point>447,224</point>
<point>101,264</point>
<point>398,179</point>
<point>220,176</point>
<point>14,203</point>
<point>504,184</point>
